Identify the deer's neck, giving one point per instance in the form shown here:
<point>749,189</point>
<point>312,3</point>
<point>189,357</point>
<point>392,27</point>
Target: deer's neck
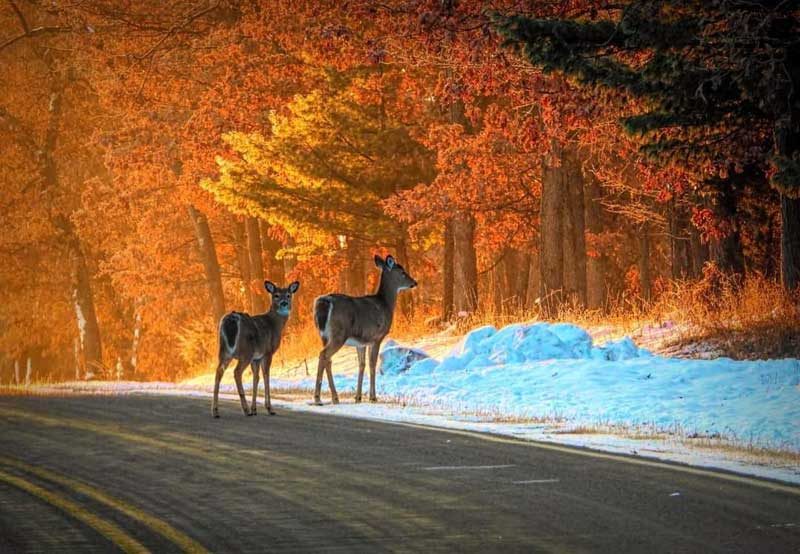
<point>279,319</point>
<point>388,294</point>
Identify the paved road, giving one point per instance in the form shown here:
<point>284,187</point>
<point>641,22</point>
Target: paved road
<point>147,473</point>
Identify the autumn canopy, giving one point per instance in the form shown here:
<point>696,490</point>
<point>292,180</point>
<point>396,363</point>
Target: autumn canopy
<point>159,160</point>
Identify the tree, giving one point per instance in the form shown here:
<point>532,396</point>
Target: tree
<point>718,80</point>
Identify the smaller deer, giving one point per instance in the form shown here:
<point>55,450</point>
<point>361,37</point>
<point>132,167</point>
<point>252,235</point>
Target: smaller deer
<point>358,321</point>
<point>253,340</point>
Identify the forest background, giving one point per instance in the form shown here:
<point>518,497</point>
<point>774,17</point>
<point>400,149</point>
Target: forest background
<point>159,160</point>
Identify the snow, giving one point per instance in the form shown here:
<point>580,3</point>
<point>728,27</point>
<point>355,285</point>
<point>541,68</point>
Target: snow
<point>555,371</point>
<point>554,383</point>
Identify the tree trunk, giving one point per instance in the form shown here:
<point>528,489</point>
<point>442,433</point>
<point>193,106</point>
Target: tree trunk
<point>465,267</point>
<point>787,144</point>
<point>259,303</point>
<point>551,246</point>
<point>498,282</point>
<point>448,272</point>
<point>573,227</point>
<point>699,252</point>
<point>727,251</point>
<point>243,260</point>
<point>16,372</point>
<point>208,256</point>
<point>790,242</point>
<point>644,262</point>
<point>137,337</point>
<point>679,242</point>
<point>274,270</point>
<point>355,276</point>
<point>534,278</point>
<point>76,352</point>
<point>28,372</point>
<point>596,264</point>
<point>289,260</point>
<point>519,269</point>
<point>82,299</point>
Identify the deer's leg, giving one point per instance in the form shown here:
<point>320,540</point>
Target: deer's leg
<point>329,371</point>
<point>362,361</point>
<point>320,371</point>
<point>325,363</point>
<point>374,349</point>
<point>266,364</point>
<point>237,375</point>
<point>223,364</point>
<point>254,366</point>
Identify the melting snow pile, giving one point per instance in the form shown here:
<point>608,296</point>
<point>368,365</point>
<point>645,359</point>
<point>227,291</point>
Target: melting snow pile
<point>544,370</point>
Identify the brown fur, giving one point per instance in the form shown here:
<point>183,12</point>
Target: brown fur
<point>253,340</point>
<point>363,321</point>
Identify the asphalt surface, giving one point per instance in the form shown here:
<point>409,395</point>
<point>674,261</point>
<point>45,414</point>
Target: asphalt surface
<point>148,473</point>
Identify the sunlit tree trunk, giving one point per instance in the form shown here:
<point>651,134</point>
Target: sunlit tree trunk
<point>274,270</point>
<point>208,256</point>
<point>447,272</point>
<point>551,245</point>
<point>82,299</point>
<point>16,372</point>
<point>137,338</point>
<point>254,250</point>
<point>573,230</point>
<point>82,296</point>
<point>28,372</point>
<point>465,266</point>
<point>355,277</point>
<point>243,260</point>
<point>595,265</point>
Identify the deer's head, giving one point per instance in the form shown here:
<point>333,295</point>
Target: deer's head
<point>393,276</point>
<point>281,298</point>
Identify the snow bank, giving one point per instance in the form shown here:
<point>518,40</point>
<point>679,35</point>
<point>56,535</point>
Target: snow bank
<point>555,370</point>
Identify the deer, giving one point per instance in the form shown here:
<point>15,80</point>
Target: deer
<point>253,340</point>
<point>359,321</point>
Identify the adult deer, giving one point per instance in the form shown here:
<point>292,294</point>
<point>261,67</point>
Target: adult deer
<point>358,321</point>
<point>253,340</point>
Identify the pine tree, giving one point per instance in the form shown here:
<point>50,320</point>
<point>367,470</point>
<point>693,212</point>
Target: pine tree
<point>718,83</point>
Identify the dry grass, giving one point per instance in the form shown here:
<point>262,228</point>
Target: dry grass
<point>750,318</point>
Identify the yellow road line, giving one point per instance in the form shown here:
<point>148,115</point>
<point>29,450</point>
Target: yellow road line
<point>111,531</point>
<point>614,457</point>
<point>186,543</point>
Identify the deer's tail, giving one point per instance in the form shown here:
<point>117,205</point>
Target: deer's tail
<point>229,331</point>
<point>322,315</point>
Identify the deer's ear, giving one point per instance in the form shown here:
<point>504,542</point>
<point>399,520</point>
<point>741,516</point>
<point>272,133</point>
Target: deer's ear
<point>294,286</point>
<point>379,262</point>
<point>390,262</point>
<point>270,286</point>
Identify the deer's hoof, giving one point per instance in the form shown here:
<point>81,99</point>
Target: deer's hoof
<point>373,399</point>
<point>253,412</point>
<point>215,414</point>
<point>335,400</point>
<point>317,402</point>
<point>358,400</point>
<point>272,412</point>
